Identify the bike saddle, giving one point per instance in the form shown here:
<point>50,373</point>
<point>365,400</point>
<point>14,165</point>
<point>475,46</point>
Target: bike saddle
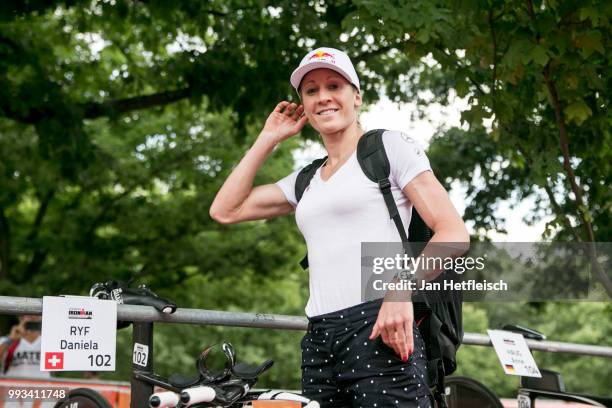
<point>249,372</point>
<point>525,331</point>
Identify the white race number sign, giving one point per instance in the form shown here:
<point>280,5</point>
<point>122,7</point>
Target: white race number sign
<point>140,355</point>
<point>513,353</point>
<point>78,334</point>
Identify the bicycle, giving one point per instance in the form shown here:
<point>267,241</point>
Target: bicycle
<point>467,392</point>
<point>229,388</point>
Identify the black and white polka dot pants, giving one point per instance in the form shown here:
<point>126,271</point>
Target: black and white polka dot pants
<point>341,367</point>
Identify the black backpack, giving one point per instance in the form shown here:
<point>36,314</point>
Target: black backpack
<point>440,313</point>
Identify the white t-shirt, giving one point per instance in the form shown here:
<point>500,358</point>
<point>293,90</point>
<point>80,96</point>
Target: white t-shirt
<point>337,215</point>
<point>26,361</point>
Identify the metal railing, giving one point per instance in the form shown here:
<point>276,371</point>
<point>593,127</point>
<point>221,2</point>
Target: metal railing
<point>20,305</point>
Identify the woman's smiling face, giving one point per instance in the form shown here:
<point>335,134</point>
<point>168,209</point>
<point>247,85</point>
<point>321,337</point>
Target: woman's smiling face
<point>329,100</point>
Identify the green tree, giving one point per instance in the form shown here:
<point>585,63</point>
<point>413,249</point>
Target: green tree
<point>113,144</point>
<point>120,119</point>
<point>537,73</point>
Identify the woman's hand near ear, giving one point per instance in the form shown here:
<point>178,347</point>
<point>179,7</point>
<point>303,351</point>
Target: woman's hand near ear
<point>286,120</point>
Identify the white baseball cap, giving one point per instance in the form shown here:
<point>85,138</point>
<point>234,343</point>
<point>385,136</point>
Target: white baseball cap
<point>324,57</point>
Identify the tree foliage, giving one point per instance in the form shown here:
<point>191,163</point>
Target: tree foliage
<point>536,76</point>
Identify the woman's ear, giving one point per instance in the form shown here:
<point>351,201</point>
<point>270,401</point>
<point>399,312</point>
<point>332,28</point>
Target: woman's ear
<point>358,100</point>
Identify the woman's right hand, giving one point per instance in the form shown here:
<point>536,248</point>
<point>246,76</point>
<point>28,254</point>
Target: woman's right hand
<point>285,121</point>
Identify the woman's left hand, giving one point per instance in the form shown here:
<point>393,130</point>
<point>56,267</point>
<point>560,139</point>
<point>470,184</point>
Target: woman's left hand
<point>394,325</point>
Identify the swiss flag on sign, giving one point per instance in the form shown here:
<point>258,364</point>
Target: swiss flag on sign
<point>54,360</point>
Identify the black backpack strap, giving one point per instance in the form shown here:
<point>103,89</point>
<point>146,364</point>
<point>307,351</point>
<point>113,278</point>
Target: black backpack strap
<point>375,165</point>
<point>301,182</point>
<point>430,329</point>
<point>305,175</point>
<point>374,162</point>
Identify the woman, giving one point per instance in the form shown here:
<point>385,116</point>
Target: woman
<point>355,353</point>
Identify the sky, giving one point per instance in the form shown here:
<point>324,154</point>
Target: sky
<point>388,115</point>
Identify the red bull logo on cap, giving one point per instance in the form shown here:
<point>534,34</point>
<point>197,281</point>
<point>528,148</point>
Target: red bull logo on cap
<point>322,55</point>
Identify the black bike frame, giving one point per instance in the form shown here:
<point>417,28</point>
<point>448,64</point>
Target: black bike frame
<point>142,333</point>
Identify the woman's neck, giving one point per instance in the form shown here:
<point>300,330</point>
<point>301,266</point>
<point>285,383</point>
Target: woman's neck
<point>342,144</point>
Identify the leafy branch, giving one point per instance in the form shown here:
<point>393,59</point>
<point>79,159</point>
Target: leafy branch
<point>567,166</point>
<point>39,255</point>
<point>551,197</point>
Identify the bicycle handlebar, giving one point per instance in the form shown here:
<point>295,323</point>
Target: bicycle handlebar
<point>164,399</point>
<point>196,395</point>
<point>224,394</point>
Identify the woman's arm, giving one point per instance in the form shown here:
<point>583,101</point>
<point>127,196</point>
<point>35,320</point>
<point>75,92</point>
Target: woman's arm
<point>450,238</point>
<point>237,200</point>
<point>435,208</point>
<point>395,319</point>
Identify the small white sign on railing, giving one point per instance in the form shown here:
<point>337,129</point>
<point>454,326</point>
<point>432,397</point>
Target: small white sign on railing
<point>78,334</point>
<point>513,353</point>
